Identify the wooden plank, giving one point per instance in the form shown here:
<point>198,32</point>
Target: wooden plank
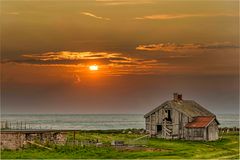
<point>39,145</point>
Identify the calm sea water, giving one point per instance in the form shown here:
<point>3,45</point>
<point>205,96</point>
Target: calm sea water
<point>96,121</point>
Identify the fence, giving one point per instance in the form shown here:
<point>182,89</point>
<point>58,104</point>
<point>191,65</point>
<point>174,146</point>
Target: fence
<point>20,125</point>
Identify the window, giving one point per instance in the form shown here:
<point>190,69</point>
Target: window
<point>198,133</point>
<point>168,118</point>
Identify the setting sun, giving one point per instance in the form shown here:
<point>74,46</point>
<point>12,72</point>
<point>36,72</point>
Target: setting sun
<point>93,67</point>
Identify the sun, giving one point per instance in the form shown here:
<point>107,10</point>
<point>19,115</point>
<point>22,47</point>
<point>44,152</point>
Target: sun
<point>93,67</point>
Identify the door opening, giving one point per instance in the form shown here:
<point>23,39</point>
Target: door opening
<point>159,128</point>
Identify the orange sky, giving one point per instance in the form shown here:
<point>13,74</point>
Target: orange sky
<point>145,50</point>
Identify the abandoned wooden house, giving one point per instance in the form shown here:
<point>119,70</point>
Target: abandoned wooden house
<point>182,119</point>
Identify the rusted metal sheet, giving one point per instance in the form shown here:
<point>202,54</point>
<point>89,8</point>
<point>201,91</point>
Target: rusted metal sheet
<point>200,122</point>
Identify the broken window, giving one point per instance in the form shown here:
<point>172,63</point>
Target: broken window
<point>168,118</point>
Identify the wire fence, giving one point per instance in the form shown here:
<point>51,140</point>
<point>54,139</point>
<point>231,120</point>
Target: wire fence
<point>21,125</point>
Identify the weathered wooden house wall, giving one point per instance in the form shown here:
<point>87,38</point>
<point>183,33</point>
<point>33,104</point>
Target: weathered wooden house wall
<point>169,121</point>
<point>196,134</point>
<point>212,131</point>
<point>176,126</point>
<point>209,133</point>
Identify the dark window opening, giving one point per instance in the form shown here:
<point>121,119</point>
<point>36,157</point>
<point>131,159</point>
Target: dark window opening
<point>169,119</point>
<point>159,128</point>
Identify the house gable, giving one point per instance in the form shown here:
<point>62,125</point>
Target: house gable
<point>188,107</point>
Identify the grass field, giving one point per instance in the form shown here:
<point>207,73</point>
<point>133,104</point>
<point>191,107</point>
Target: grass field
<point>225,148</point>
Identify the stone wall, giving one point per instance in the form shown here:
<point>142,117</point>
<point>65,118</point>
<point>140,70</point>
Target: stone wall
<point>12,141</point>
<point>17,140</point>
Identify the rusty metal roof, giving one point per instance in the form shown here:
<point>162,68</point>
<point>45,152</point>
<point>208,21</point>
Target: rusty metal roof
<point>200,122</point>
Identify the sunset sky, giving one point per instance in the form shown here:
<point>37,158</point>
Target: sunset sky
<point>144,50</point>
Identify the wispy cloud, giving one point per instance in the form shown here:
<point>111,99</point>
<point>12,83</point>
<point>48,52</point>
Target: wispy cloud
<point>117,63</point>
<point>166,47</point>
<point>179,16</point>
<point>94,16</point>
<point>83,58</point>
<point>11,13</point>
<point>171,47</point>
<point>124,2</point>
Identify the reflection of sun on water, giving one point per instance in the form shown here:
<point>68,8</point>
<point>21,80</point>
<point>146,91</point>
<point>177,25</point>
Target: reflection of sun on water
<point>93,67</point>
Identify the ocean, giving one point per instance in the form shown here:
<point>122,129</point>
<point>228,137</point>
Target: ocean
<point>94,121</point>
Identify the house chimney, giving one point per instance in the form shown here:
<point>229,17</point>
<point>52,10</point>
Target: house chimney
<point>180,97</point>
<point>177,97</point>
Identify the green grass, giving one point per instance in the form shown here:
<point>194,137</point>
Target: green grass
<point>225,148</point>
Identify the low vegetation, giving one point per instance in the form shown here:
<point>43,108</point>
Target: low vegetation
<point>146,148</point>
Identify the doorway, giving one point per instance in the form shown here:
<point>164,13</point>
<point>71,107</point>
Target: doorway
<point>159,128</point>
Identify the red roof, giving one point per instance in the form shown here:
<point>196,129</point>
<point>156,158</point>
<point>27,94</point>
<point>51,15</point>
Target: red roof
<point>200,122</point>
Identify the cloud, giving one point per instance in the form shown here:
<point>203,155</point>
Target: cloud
<point>65,58</point>
<point>110,63</point>
<point>94,16</point>
<point>178,16</point>
<point>171,47</point>
<point>166,47</point>
<point>117,64</point>
<point>12,13</point>
<point>124,2</point>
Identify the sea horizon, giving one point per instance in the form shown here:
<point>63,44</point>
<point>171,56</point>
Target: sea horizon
<point>95,121</point>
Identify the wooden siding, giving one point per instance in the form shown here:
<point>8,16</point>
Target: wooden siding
<point>212,131</point>
<point>176,128</point>
<point>196,134</point>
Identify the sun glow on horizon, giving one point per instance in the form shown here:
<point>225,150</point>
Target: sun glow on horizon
<point>93,67</point>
